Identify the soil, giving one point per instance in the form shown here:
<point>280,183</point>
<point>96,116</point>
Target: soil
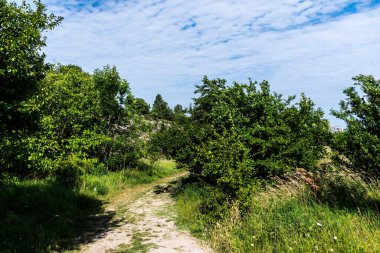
<point>146,223</point>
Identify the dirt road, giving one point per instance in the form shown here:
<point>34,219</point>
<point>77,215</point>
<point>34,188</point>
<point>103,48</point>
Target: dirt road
<point>146,223</point>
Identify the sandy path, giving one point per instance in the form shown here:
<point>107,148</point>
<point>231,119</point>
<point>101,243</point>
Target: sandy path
<point>146,224</point>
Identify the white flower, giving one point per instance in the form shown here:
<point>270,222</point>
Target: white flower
<point>332,250</point>
<point>252,244</point>
<point>335,238</point>
<point>319,224</point>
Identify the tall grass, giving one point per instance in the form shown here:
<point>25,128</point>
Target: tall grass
<point>342,215</point>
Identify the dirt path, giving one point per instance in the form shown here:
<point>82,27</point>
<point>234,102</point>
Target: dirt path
<point>146,223</point>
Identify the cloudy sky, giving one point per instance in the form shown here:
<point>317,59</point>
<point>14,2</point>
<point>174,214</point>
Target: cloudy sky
<point>167,46</point>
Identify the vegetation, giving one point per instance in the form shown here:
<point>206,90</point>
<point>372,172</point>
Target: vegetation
<point>243,132</point>
<point>43,216</point>
<point>360,143</point>
<point>341,216</point>
<point>259,177</point>
<point>161,110</point>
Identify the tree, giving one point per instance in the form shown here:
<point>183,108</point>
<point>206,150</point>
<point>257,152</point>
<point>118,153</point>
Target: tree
<point>139,106</point>
<point>76,129</point>
<point>113,92</point>
<point>21,61</point>
<point>360,142</point>
<point>22,66</point>
<point>178,110</point>
<point>160,109</point>
<point>69,125</point>
<point>243,132</point>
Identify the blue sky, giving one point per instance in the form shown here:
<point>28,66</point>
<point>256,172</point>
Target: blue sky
<point>166,46</point>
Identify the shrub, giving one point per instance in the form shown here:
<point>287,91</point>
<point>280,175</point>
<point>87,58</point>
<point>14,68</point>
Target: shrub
<point>360,142</point>
<point>243,132</point>
<point>69,171</point>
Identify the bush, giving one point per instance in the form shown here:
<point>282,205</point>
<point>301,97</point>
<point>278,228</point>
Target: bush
<point>243,132</point>
<point>69,172</point>
<point>360,142</point>
<point>170,141</point>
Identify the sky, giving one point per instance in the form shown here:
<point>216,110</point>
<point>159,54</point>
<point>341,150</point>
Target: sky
<point>167,46</point>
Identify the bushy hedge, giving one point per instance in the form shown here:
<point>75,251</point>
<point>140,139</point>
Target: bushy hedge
<point>245,131</point>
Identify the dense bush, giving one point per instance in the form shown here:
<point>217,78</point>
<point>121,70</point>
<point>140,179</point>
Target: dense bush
<point>244,131</point>
<point>22,67</point>
<point>360,142</point>
<point>170,141</point>
<point>82,116</point>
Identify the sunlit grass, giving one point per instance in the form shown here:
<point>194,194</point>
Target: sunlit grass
<point>109,183</point>
<point>288,218</point>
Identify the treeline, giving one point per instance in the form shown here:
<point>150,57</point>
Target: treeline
<point>61,121</point>
<point>239,134</point>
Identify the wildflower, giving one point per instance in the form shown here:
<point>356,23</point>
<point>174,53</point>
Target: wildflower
<point>332,250</point>
<point>335,238</point>
<point>319,224</point>
<point>252,244</point>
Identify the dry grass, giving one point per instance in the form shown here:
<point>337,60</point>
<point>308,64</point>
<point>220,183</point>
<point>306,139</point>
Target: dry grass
<point>335,211</point>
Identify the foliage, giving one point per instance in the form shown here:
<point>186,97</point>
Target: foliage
<point>170,141</point>
<point>112,92</point>
<point>160,109</point>
<point>180,115</point>
<point>244,131</point>
<point>21,63</point>
<point>81,118</point>
<point>139,106</point>
<point>360,142</point>
<point>285,218</point>
<point>21,68</point>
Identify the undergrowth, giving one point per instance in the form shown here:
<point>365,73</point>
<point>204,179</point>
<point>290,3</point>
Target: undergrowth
<point>333,212</point>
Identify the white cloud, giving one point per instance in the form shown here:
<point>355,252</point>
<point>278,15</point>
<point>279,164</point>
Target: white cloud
<point>167,46</point>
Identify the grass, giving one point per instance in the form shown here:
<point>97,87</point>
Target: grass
<point>137,244</point>
<point>44,216</point>
<point>341,216</point>
<point>104,185</point>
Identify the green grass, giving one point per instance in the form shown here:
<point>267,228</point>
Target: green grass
<point>109,184</point>
<point>137,245</point>
<point>44,216</point>
<point>288,218</point>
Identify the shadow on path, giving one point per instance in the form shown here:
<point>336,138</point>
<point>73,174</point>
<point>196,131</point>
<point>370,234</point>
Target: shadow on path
<point>44,216</point>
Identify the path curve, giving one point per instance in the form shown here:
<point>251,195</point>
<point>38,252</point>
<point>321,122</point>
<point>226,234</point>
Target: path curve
<point>147,224</point>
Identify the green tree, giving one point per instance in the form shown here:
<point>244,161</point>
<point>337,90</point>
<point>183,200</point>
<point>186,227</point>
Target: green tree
<point>22,66</point>
<point>113,92</point>
<point>76,130</point>
<point>180,115</point>
<point>69,121</point>
<point>21,61</point>
<point>360,142</point>
<point>160,109</point>
<point>139,106</point>
<point>178,110</point>
<point>243,132</point>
